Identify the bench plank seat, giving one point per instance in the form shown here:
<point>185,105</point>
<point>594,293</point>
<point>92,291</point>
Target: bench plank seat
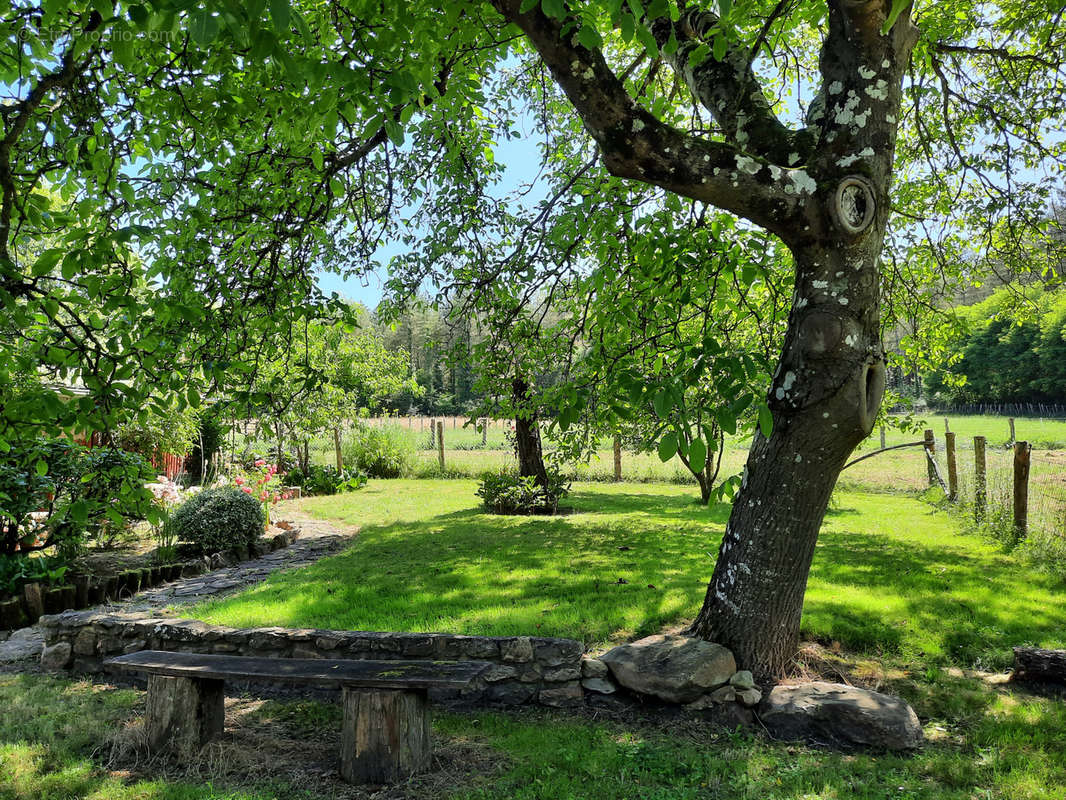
<point>386,732</point>
<point>330,673</point>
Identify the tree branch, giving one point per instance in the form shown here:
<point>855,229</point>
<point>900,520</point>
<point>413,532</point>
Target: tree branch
<point>17,121</point>
<point>637,145</point>
<point>730,90</point>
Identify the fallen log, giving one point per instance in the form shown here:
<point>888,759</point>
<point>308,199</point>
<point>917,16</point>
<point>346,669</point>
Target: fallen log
<point>1035,664</point>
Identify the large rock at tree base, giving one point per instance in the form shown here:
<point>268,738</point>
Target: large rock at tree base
<point>833,713</point>
<point>674,668</point>
<point>56,657</point>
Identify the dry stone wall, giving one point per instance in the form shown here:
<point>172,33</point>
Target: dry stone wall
<point>525,669</point>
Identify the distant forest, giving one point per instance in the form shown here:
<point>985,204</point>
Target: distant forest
<point>1011,349</point>
<point>446,383</point>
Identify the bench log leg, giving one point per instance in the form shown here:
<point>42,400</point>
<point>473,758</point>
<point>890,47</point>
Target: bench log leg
<point>184,714</point>
<point>386,735</point>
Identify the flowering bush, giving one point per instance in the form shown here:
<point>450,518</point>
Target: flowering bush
<point>263,485</point>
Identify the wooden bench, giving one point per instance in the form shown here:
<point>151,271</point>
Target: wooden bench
<point>386,732</point>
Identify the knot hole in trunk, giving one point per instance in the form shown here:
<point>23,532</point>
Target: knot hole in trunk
<point>854,204</point>
<point>871,392</point>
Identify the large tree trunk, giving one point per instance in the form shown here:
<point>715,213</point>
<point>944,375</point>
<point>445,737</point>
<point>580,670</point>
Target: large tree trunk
<point>527,436</point>
<point>831,375</point>
<point>825,190</point>
<point>824,398</point>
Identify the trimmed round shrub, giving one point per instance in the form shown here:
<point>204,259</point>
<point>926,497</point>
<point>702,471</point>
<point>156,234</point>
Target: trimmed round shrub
<point>218,519</point>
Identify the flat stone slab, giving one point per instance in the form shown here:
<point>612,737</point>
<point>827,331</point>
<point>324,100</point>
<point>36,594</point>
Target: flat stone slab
<point>841,715</point>
<point>674,668</point>
<point>22,645</point>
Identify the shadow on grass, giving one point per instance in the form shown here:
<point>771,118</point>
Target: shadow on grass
<point>993,745</point>
<point>939,601</point>
<point>622,564</point>
<point>984,741</point>
<point>628,563</point>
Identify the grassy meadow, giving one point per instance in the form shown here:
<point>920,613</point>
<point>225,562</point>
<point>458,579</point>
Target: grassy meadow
<point>69,740</point>
<point>904,596</point>
<point>892,576</point>
<point>901,598</point>
<point>898,470</point>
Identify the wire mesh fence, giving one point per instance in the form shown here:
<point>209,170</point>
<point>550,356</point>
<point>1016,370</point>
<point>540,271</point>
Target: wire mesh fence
<point>1044,490</point>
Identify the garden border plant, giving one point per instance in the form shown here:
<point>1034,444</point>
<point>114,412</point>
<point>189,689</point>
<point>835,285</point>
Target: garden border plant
<point>507,492</point>
<point>218,519</point>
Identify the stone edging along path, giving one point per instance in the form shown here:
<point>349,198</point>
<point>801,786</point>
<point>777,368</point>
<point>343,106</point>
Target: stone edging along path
<point>524,669</point>
<point>315,539</point>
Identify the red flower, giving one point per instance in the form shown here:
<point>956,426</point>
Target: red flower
<point>247,490</point>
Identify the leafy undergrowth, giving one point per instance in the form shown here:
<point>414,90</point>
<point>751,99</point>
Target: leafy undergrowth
<point>892,577</point>
<point>58,740</point>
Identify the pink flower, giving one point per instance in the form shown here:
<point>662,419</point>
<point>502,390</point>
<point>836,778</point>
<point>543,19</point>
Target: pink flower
<point>285,495</point>
<point>260,462</point>
<point>239,480</point>
<point>247,490</point>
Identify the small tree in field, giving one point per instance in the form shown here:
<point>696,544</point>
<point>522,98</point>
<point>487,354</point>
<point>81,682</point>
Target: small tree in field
<point>328,374</point>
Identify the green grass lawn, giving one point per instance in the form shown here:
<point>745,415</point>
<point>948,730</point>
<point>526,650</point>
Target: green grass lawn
<point>991,743</point>
<point>892,575</point>
<point>1042,433</point>
<point>899,596</point>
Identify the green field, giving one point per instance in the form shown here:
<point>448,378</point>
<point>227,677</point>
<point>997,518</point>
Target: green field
<point>465,456</point>
<point>900,599</point>
<point>67,740</point>
<point>1046,434</point>
<point>892,575</point>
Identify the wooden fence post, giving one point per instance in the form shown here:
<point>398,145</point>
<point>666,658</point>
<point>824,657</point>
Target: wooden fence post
<point>484,431</point>
<point>440,444</point>
<point>953,472</point>
<point>947,428</point>
<point>1021,489</point>
<point>617,457</point>
<point>980,482</point>
<point>432,433</point>
<point>883,437</point>
<point>930,454</point>
<point>1010,421</point>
